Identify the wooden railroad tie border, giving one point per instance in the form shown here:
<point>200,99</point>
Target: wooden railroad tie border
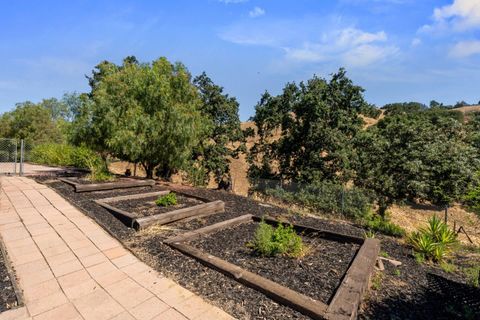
<point>121,184</point>
<point>131,219</point>
<point>347,298</point>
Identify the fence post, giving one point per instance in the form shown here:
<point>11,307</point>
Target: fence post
<point>22,155</point>
<point>16,154</point>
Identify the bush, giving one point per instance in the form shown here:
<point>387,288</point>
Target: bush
<point>434,242</point>
<point>327,197</point>
<point>167,200</point>
<point>375,223</point>
<point>472,200</point>
<point>269,241</point>
<point>64,155</point>
<point>53,154</point>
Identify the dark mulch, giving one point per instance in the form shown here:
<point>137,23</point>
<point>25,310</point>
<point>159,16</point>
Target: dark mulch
<point>407,295</point>
<point>317,274</point>
<point>8,299</point>
<point>85,180</point>
<point>145,207</point>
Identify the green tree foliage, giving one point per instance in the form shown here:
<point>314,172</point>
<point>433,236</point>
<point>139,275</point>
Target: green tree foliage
<point>223,137</point>
<point>145,113</point>
<point>404,107</point>
<point>32,122</point>
<point>416,156</point>
<point>316,121</point>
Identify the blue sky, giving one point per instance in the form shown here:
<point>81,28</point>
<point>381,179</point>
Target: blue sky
<point>398,50</point>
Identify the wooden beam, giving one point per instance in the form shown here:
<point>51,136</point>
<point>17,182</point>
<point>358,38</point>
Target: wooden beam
<point>201,210</point>
<point>195,234</point>
<point>306,305</point>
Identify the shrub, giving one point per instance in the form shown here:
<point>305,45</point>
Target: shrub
<point>472,200</point>
<point>433,242</point>
<point>375,223</point>
<point>270,241</point>
<point>327,197</point>
<point>64,155</point>
<point>61,155</point>
<point>473,276</point>
<point>167,200</point>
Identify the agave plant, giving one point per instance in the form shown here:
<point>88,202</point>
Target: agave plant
<point>434,241</point>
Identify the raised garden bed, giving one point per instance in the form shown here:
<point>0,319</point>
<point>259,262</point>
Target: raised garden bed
<point>84,185</point>
<point>404,292</point>
<point>222,247</point>
<point>140,211</point>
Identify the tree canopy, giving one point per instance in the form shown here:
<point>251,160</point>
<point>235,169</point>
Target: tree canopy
<point>307,131</point>
<point>142,112</point>
<point>223,137</point>
<point>424,156</point>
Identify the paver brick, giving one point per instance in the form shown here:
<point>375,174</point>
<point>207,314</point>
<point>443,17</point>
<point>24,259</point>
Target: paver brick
<point>128,293</point>
<point>149,308</point>
<point>98,305</point>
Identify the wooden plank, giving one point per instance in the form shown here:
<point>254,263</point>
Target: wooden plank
<point>124,216</point>
<point>135,196</point>
<point>200,210</point>
<point>195,234</point>
<point>306,305</point>
<point>124,183</point>
<point>347,298</point>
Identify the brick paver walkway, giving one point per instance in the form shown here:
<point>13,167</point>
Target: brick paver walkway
<point>69,268</point>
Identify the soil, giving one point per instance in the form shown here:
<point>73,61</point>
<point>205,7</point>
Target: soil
<point>145,207</point>
<point>317,274</point>
<point>409,293</point>
<point>8,298</point>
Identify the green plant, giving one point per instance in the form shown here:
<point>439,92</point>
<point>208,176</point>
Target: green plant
<point>326,197</point>
<point>397,272</point>
<point>448,267</point>
<point>167,200</point>
<point>384,254</point>
<point>472,200</point>
<point>270,241</point>
<point>434,241</point>
<point>369,234</point>
<point>376,223</point>
<point>377,281</point>
<point>473,275</point>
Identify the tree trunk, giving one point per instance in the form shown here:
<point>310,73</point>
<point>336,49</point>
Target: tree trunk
<point>148,170</point>
<point>164,172</point>
<point>383,205</point>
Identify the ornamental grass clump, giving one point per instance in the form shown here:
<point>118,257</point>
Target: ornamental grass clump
<point>282,240</point>
<point>434,242</point>
<point>167,200</point>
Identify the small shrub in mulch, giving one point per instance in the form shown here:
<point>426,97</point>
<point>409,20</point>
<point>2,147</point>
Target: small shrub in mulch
<point>270,241</point>
<point>167,200</point>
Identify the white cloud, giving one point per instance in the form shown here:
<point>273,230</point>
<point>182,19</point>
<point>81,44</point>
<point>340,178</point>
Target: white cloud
<point>459,16</point>
<point>465,49</point>
<point>256,12</point>
<point>416,42</point>
<point>351,46</point>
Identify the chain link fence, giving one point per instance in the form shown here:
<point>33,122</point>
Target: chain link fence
<point>323,196</point>
<point>8,156</point>
<point>13,154</point>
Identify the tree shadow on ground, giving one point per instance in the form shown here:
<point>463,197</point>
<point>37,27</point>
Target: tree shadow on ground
<point>440,299</point>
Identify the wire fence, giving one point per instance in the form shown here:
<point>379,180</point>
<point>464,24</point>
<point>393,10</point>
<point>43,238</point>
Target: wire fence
<point>351,202</point>
<point>13,155</point>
